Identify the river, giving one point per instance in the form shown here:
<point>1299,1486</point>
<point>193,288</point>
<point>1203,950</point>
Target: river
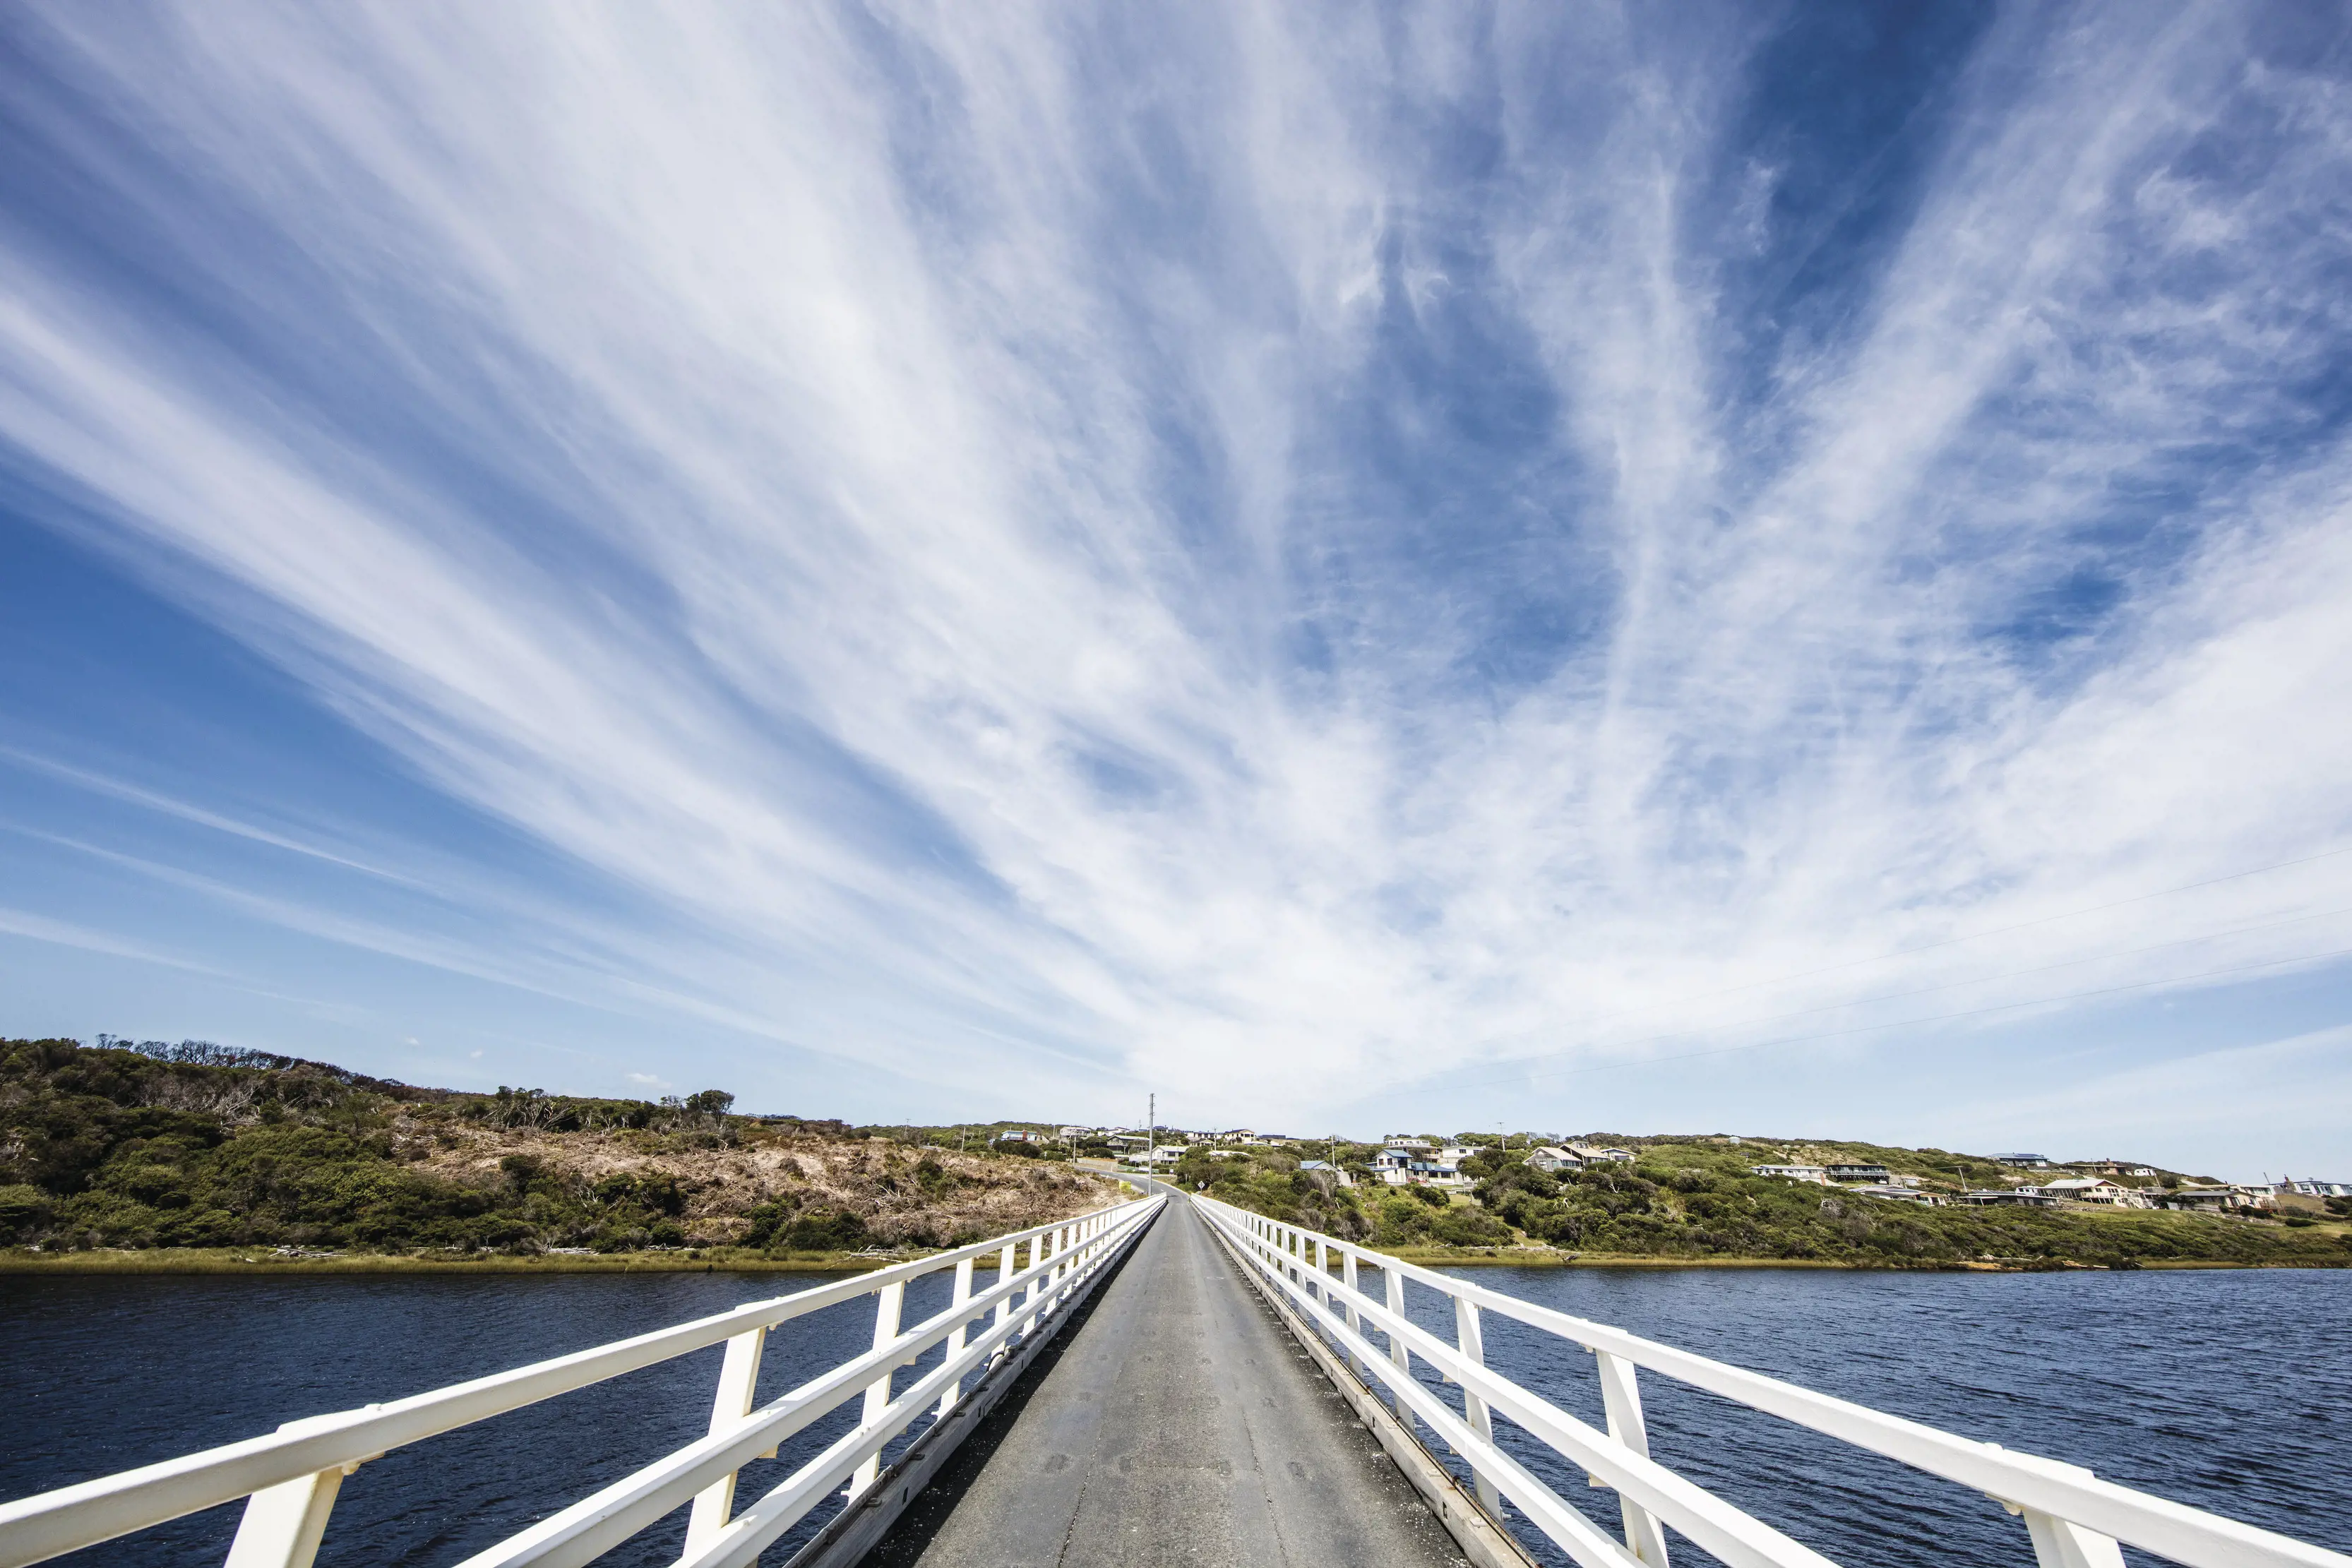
<point>2230,1390</point>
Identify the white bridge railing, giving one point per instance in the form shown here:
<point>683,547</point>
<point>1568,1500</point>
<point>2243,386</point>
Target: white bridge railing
<point>2074,1519</point>
<point>290,1477</point>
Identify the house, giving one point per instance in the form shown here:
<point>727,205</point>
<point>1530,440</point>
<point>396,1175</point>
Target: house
<point>1071,1135</point>
<point>1591,1155</point>
<point>1130,1140</point>
<point>1899,1194</point>
<point>1857,1173</point>
<point>1551,1157</point>
<point>1418,1162</point>
<point>2019,1196</point>
<point>2204,1199</point>
<point>2024,1161</point>
<point>2113,1167</point>
<point>2095,1189</point>
<point>1793,1173</point>
<point>1017,1137</point>
<point>1345,1179</point>
<point>2307,1188</point>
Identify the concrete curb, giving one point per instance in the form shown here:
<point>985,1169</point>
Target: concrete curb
<point>851,1534</point>
<point>1486,1543</point>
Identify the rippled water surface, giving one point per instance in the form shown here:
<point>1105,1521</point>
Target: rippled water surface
<point>98,1374</point>
<point>2230,1390</point>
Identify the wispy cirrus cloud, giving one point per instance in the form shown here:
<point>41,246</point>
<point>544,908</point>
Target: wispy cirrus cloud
<point>1277,551</point>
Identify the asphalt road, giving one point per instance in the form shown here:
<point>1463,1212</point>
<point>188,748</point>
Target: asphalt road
<point>1175,1423</point>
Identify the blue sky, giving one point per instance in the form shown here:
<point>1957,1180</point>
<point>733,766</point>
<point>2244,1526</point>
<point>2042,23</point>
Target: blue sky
<point>1697,568</point>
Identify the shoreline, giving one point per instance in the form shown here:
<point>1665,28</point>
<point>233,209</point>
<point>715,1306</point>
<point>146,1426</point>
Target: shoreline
<point>1532,1260</point>
<point>236,1260</point>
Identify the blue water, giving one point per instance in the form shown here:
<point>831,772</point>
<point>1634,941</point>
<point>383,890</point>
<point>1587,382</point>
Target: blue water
<point>98,1375</point>
<point>2229,1390</point>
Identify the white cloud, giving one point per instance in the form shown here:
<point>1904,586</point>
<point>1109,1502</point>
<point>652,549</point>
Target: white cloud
<point>925,517</point>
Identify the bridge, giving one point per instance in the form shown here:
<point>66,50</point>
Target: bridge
<point>1168,1380</point>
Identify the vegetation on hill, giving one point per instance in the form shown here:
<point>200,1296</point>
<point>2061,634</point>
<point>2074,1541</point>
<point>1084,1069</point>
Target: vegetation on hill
<point>196,1145</point>
<point>1695,1198</point>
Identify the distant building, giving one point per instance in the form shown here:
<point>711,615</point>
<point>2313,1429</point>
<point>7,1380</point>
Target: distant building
<point>1345,1179</point>
<point>2112,1167</point>
<point>2095,1189</point>
<point>1857,1173</point>
<point>2024,1161</point>
<point>1794,1172</point>
<point>1417,1162</point>
<point>2018,1196</point>
<point>1551,1157</point>
<point>2307,1188</point>
<point>1592,1155</point>
<point>1018,1136</point>
<point>1899,1194</point>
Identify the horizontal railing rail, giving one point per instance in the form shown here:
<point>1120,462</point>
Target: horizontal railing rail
<point>2073,1518</point>
<point>290,1477</point>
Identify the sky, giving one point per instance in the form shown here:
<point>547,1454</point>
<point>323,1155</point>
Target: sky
<point>1781,570</point>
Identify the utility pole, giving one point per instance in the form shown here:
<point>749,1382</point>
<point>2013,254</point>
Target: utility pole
<point>1152,1149</point>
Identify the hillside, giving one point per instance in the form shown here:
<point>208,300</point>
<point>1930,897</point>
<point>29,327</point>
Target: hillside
<point>197,1146</point>
<point>1695,1199</point>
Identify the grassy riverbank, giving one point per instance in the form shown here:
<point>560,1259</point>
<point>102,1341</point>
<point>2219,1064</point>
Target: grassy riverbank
<point>199,1153</point>
<point>1696,1202</point>
<point>243,1261</point>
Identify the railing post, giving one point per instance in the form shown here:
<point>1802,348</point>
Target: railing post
<point>282,1525</point>
<point>1350,1277</point>
<point>739,1384</point>
<point>1323,1272</point>
<point>888,1304</point>
<point>955,1336</point>
<point>2061,1542</point>
<point>1471,1341</point>
<point>1622,1399</point>
<point>1399,1356</point>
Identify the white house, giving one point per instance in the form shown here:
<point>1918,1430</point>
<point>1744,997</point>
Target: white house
<point>1550,1157</point>
<point>1857,1173</point>
<point>1793,1173</point>
<point>2095,1189</point>
<point>1417,1162</point>
<point>2022,1197</point>
<point>2307,1188</point>
<point>1898,1194</point>
<point>2024,1161</point>
<point>1345,1179</point>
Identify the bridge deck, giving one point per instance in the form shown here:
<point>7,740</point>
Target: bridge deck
<point>1177,1424</point>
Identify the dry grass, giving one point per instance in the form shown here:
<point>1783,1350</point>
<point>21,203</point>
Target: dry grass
<point>879,1181</point>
